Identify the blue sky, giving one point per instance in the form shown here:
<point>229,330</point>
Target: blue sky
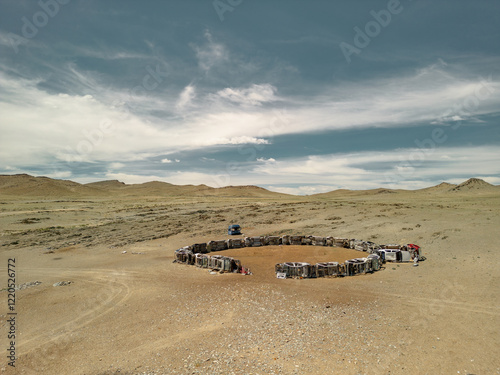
<point>295,96</point>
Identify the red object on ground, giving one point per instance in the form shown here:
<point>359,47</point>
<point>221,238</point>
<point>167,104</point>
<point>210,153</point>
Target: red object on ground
<point>414,247</point>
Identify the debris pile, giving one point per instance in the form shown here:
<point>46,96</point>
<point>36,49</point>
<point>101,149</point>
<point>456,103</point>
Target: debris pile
<point>350,267</point>
<point>27,285</point>
<point>217,262</point>
<point>62,283</point>
<point>378,254</point>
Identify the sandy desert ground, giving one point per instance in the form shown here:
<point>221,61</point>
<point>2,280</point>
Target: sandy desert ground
<point>139,313</point>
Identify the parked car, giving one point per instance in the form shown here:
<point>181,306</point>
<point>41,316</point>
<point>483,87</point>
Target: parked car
<point>234,229</point>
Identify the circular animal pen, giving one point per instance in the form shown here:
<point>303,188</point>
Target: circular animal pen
<point>376,255</point>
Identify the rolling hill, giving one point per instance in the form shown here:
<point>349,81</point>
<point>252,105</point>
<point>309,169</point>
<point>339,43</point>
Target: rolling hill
<point>30,186</point>
<point>475,184</point>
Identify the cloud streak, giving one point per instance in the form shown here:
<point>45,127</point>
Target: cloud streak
<point>256,95</point>
<point>211,53</point>
<point>38,125</point>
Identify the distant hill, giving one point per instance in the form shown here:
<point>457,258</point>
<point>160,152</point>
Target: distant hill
<point>472,185</point>
<point>442,187</point>
<point>158,188</point>
<point>475,184</point>
<point>151,188</point>
<point>26,185</point>
<point>244,191</point>
<point>108,184</point>
<point>346,192</point>
<point>30,186</point>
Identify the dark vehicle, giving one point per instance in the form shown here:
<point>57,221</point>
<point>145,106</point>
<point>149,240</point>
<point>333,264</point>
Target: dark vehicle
<point>234,229</point>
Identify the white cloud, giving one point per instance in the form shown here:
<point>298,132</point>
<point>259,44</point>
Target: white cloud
<point>211,53</point>
<point>166,161</point>
<point>255,95</point>
<point>59,174</point>
<point>186,97</point>
<point>264,160</point>
<point>240,141</point>
<point>38,126</point>
<point>434,97</point>
<point>116,165</point>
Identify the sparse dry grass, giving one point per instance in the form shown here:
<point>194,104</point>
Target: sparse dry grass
<point>140,313</point>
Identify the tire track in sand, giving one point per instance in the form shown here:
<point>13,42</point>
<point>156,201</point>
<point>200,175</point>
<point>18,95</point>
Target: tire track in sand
<point>118,291</point>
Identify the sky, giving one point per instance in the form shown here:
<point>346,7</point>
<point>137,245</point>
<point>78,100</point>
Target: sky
<point>299,97</point>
